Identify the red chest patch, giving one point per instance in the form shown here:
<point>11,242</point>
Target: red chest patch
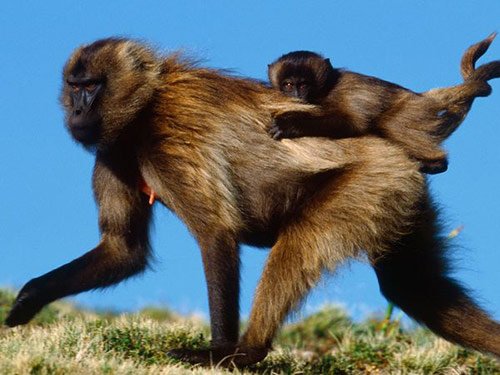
<point>146,189</point>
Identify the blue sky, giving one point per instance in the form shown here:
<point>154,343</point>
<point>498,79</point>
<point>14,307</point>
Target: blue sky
<point>47,213</point>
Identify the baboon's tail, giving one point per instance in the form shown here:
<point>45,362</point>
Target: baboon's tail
<point>484,72</point>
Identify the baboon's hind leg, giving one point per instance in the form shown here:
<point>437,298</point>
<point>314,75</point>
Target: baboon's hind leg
<point>366,207</point>
<point>416,277</point>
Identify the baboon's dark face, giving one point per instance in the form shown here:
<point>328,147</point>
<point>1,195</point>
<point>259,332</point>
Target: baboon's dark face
<point>302,74</point>
<point>105,85</point>
<point>84,87</point>
<point>298,87</point>
<point>84,120</point>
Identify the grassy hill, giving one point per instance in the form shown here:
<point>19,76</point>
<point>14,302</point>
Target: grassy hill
<point>66,340</point>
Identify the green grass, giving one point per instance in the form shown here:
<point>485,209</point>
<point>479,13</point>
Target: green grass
<point>66,340</point>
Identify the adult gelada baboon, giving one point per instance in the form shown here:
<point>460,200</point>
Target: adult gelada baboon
<point>198,139</point>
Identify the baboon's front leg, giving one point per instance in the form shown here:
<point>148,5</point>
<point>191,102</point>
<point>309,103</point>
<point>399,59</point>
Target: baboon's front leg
<point>124,217</point>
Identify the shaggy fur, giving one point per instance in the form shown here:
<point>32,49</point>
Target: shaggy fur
<point>354,104</point>
<point>199,139</point>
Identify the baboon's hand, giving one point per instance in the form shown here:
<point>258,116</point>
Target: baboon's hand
<point>284,127</point>
<point>275,130</point>
<point>434,166</point>
<point>227,356</point>
<point>26,306</point>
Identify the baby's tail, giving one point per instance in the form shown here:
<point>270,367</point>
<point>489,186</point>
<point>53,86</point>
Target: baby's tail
<point>456,101</point>
<point>484,72</point>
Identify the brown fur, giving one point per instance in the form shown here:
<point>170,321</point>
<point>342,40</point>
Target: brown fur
<point>199,139</point>
<point>354,104</point>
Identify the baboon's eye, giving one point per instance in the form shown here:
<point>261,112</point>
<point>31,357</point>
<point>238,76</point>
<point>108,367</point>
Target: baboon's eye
<point>90,87</point>
<point>287,86</point>
<point>74,87</point>
<point>303,85</point>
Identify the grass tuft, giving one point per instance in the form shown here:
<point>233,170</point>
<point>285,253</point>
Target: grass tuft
<point>64,339</point>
